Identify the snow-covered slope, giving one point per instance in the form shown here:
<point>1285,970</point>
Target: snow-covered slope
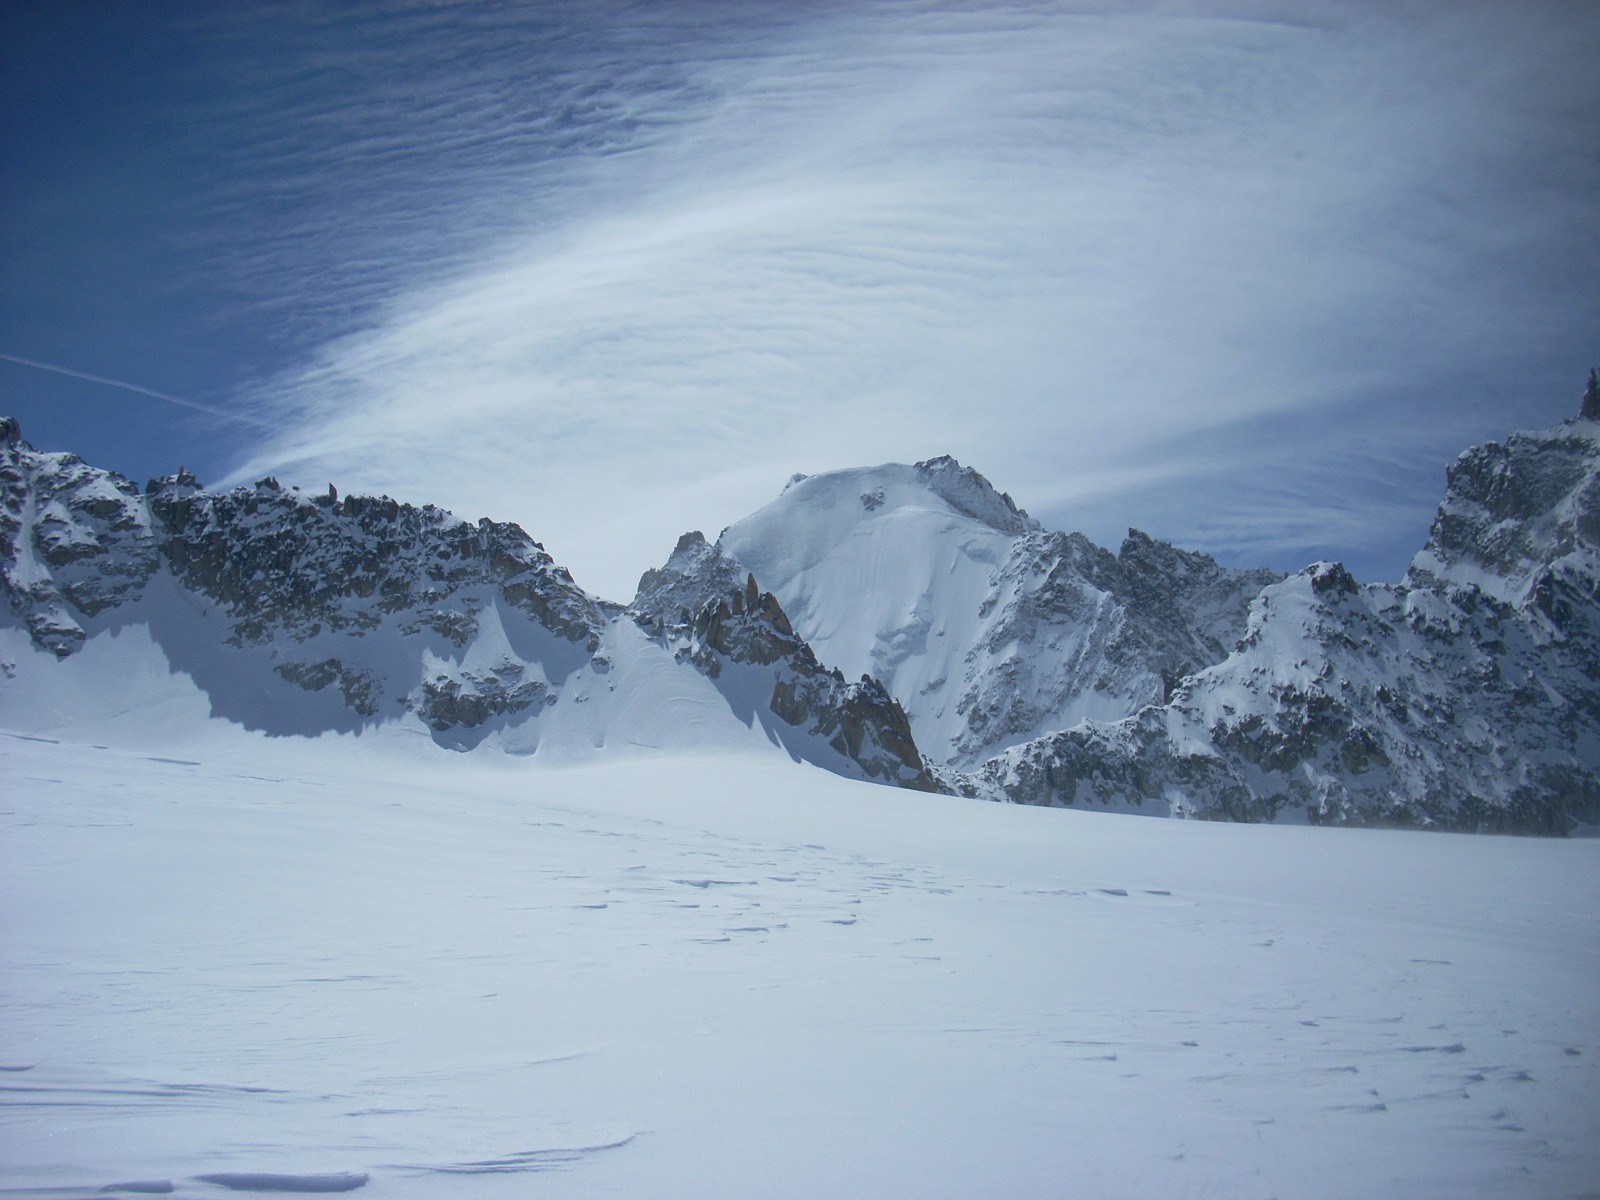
<point>988,629</point>
<point>346,960</point>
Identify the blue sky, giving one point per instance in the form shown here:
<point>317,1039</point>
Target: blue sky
<point>1247,275</point>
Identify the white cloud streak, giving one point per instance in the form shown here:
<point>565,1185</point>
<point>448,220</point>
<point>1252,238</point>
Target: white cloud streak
<point>1058,244</point>
<point>123,385</point>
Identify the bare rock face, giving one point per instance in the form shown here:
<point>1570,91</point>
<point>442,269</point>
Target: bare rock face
<point>673,593</point>
<point>739,637</point>
<point>1515,513</point>
<point>1073,628</point>
<point>467,699</point>
<point>280,561</point>
<point>969,493</point>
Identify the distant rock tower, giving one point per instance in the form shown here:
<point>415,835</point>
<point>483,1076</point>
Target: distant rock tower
<point>1591,398</point>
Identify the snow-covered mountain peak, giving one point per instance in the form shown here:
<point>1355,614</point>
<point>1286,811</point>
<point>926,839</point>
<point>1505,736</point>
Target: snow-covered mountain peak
<point>884,571</point>
<point>988,628</point>
<point>182,483</point>
<point>817,512</point>
<point>74,540</point>
<point>1467,697</point>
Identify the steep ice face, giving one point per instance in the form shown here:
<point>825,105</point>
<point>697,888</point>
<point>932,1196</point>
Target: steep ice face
<point>988,629</point>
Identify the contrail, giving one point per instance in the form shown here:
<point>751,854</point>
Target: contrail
<point>134,387</point>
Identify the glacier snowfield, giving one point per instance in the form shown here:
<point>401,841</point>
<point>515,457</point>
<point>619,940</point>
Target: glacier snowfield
<point>257,964</point>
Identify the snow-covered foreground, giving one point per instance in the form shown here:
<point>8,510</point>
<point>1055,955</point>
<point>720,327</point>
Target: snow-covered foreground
<point>731,976</point>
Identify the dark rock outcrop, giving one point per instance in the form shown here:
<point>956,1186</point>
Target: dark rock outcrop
<point>280,561</point>
<point>738,636</point>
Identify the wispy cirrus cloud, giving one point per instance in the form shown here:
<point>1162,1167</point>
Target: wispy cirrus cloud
<point>1105,254</point>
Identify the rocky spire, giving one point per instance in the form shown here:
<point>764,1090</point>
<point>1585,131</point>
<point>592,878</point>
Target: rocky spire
<point>1591,397</point>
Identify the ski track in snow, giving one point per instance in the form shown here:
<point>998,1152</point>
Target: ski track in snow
<point>271,968</point>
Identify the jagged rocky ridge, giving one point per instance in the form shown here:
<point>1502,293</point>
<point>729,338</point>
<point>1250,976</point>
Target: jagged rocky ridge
<point>738,635</point>
<point>316,589</point>
<point>1466,697</point>
<point>1037,667</point>
<point>367,609</point>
